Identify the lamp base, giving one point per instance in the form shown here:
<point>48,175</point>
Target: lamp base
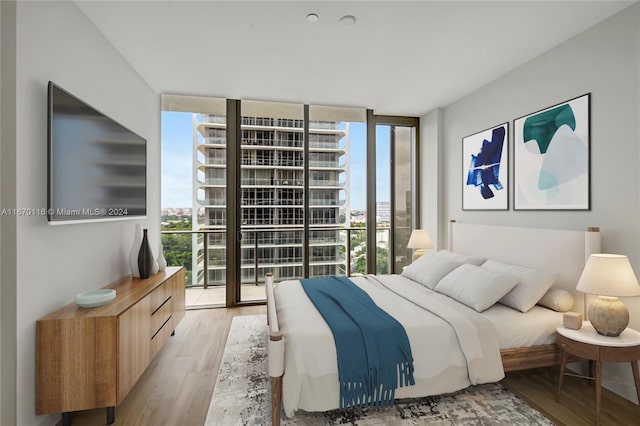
<point>608,315</point>
<point>416,254</point>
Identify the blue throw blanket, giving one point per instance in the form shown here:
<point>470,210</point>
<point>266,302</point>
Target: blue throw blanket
<point>374,354</point>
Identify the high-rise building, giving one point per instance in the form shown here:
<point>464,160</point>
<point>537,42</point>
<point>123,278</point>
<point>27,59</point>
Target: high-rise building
<point>383,212</point>
<point>272,197</point>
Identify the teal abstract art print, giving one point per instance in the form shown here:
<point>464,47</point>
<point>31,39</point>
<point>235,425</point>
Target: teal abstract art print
<point>551,157</point>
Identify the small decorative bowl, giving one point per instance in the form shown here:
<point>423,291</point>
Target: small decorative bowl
<point>93,298</point>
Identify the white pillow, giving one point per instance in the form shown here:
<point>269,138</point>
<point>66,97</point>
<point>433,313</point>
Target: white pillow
<point>429,269</point>
<point>557,299</point>
<point>478,288</point>
<point>533,284</point>
<point>462,258</point>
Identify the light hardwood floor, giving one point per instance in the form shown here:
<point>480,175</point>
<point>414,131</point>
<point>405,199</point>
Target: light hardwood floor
<point>176,388</point>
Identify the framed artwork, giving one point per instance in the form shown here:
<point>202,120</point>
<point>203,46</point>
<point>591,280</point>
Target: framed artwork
<point>551,157</point>
<point>485,172</point>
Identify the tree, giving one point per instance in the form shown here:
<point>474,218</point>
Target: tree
<point>177,248</point>
<point>382,261</point>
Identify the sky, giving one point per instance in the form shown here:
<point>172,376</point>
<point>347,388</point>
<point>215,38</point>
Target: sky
<point>177,162</point>
<point>177,159</point>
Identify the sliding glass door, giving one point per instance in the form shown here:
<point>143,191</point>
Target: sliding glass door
<point>272,187</point>
<point>336,202</point>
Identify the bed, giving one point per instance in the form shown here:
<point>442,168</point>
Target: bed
<point>455,339</point>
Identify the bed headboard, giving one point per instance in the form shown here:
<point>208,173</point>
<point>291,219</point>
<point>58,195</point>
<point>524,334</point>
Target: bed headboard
<point>561,251</point>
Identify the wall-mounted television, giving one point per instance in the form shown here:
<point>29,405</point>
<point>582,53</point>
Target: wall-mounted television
<point>97,168</point>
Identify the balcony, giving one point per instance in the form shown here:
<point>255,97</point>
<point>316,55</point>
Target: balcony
<point>329,183</point>
<point>333,146</point>
<point>271,162</point>
<point>317,164</point>
<point>262,182</point>
<point>278,251</point>
<point>318,202</point>
<point>212,182</point>
<point>209,118</point>
<point>214,141</point>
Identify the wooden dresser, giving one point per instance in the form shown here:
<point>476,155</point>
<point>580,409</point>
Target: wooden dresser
<point>91,357</point>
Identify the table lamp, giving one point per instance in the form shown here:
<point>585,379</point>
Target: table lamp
<point>419,240</point>
<point>608,276</point>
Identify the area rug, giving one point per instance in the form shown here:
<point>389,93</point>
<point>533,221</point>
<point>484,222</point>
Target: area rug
<point>242,395</point>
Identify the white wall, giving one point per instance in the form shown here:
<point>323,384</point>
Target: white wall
<point>56,42</point>
<point>8,223</point>
<point>431,178</point>
<point>603,61</point>
<point>1,346</point>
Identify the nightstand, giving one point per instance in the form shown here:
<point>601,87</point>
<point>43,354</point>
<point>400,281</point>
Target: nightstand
<point>586,343</point>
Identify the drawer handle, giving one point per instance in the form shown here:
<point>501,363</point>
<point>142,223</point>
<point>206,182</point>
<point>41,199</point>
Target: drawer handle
<point>161,327</point>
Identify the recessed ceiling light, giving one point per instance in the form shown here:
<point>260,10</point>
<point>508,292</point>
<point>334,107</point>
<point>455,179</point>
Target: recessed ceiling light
<point>312,17</point>
<point>347,20</point>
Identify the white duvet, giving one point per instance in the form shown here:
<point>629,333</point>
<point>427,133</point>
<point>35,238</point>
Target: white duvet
<point>452,346</point>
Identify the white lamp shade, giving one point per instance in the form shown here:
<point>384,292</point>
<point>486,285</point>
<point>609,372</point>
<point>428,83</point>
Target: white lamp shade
<point>420,239</point>
<point>609,275</point>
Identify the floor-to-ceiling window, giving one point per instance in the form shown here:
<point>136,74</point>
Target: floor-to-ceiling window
<point>337,202</point>
<point>282,188</point>
<point>193,196</point>
<point>403,209</point>
<point>272,186</point>
<point>395,144</point>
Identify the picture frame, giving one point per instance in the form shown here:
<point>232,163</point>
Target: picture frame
<point>485,169</point>
<point>551,149</point>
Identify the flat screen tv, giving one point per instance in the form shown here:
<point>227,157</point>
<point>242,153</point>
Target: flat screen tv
<point>97,168</point>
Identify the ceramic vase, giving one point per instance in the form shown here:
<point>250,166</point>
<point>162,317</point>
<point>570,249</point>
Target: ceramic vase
<point>162,262</point>
<point>135,249</point>
<point>145,257</point>
<point>154,265</point>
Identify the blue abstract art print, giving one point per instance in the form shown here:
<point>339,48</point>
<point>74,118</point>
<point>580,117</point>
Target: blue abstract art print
<point>551,157</point>
<point>485,173</point>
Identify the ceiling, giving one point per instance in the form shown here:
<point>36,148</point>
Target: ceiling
<point>399,58</point>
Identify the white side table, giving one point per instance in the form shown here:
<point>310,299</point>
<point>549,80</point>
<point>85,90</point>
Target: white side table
<point>586,343</point>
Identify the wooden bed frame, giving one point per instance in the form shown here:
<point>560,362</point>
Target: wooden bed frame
<point>562,251</point>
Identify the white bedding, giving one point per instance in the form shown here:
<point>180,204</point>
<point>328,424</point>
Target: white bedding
<point>443,361</point>
<point>517,330</point>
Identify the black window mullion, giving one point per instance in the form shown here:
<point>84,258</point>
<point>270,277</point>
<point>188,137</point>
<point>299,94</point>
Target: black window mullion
<point>392,201</point>
<point>371,193</point>
<point>233,203</point>
<point>305,195</point>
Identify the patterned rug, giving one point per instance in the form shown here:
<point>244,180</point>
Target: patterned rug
<point>241,395</point>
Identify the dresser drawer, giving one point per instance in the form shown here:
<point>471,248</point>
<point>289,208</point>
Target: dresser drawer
<point>160,316</point>
<point>159,338</point>
<point>159,296</point>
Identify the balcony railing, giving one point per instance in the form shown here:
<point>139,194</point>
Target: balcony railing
<point>315,202</point>
<point>326,145</point>
<point>326,182</point>
<point>327,164</point>
<point>270,182</point>
<point>209,118</point>
<point>215,140</point>
<point>270,250</point>
<point>213,181</point>
<point>272,162</point>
